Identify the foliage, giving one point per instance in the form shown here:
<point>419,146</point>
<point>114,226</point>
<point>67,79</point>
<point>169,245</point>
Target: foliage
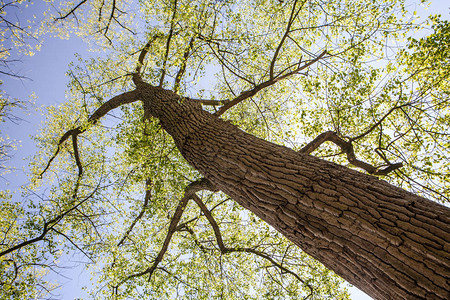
<point>390,102</point>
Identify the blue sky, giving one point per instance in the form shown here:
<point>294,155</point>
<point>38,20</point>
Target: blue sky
<point>46,72</point>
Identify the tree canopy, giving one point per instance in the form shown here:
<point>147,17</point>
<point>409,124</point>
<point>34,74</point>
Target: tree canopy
<point>360,83</point>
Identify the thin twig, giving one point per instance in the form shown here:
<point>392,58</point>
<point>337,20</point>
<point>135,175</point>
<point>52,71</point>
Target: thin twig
<point>147,197</point>
<point>47,227</point>
<point>169,38</point>
<point>286,33</point>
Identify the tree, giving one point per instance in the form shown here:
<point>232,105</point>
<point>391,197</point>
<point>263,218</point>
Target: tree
<point>16,38</point>
<point>314,59</point>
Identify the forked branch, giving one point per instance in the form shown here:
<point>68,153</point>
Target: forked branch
<point>224,249</point>
<point>379,122</point>
<point>112,16</point>
<point>292,17</point>
<point>122,99</point>
<point>189,193</point>
<point>137,79</point>
<point>347,148</point>
<point>249,93</point>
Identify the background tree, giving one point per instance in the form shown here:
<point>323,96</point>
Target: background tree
<point>16,39</point>
<point>287,72</point>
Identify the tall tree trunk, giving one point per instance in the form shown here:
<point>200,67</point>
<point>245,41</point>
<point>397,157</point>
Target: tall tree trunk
<point>388,242</point>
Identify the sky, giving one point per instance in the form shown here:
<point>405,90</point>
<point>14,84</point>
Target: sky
<point>46,72</point>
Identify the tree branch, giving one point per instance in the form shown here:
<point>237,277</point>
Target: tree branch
<point>347,147</point>
<point>47,227</point>
<point>182,70</point>
<point>223,64</point>
<point>249,93</point>
<point>76,154</point>
<point>122,99</point>
<point>111,16</point>
<point>148,195</point>
<point>72,11</point>
<point>379,122</point>
<point>189,192</point>
<point>225,250</point>
<point>194,237</point>
<point>73,243</point>
<point>286,33</point>
<point>137,79</point>
<point>169,38</point>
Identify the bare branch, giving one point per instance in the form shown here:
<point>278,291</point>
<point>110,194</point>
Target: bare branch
<point>14,75</point>
<point>379,122</point>
<point>73,243</point>
<point>72,11</point>
<point>147,197</point>
<point>226,81</point>
<point>48,225</point>
<point>224,64</point>
<point>111,16</point>
<point>347,147</point>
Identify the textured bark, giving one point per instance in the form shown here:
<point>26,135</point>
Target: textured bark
<point>388,242</point>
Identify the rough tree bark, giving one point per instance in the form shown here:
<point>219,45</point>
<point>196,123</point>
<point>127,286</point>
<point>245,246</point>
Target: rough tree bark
<point>388,242</point>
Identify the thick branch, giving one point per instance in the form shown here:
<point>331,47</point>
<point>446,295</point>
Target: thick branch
<point>106,107</point>
<point>347,148</point>
<point>77,154</point>
<point>137,79</point>
<point>249,93</point>
<point>144,52</point>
